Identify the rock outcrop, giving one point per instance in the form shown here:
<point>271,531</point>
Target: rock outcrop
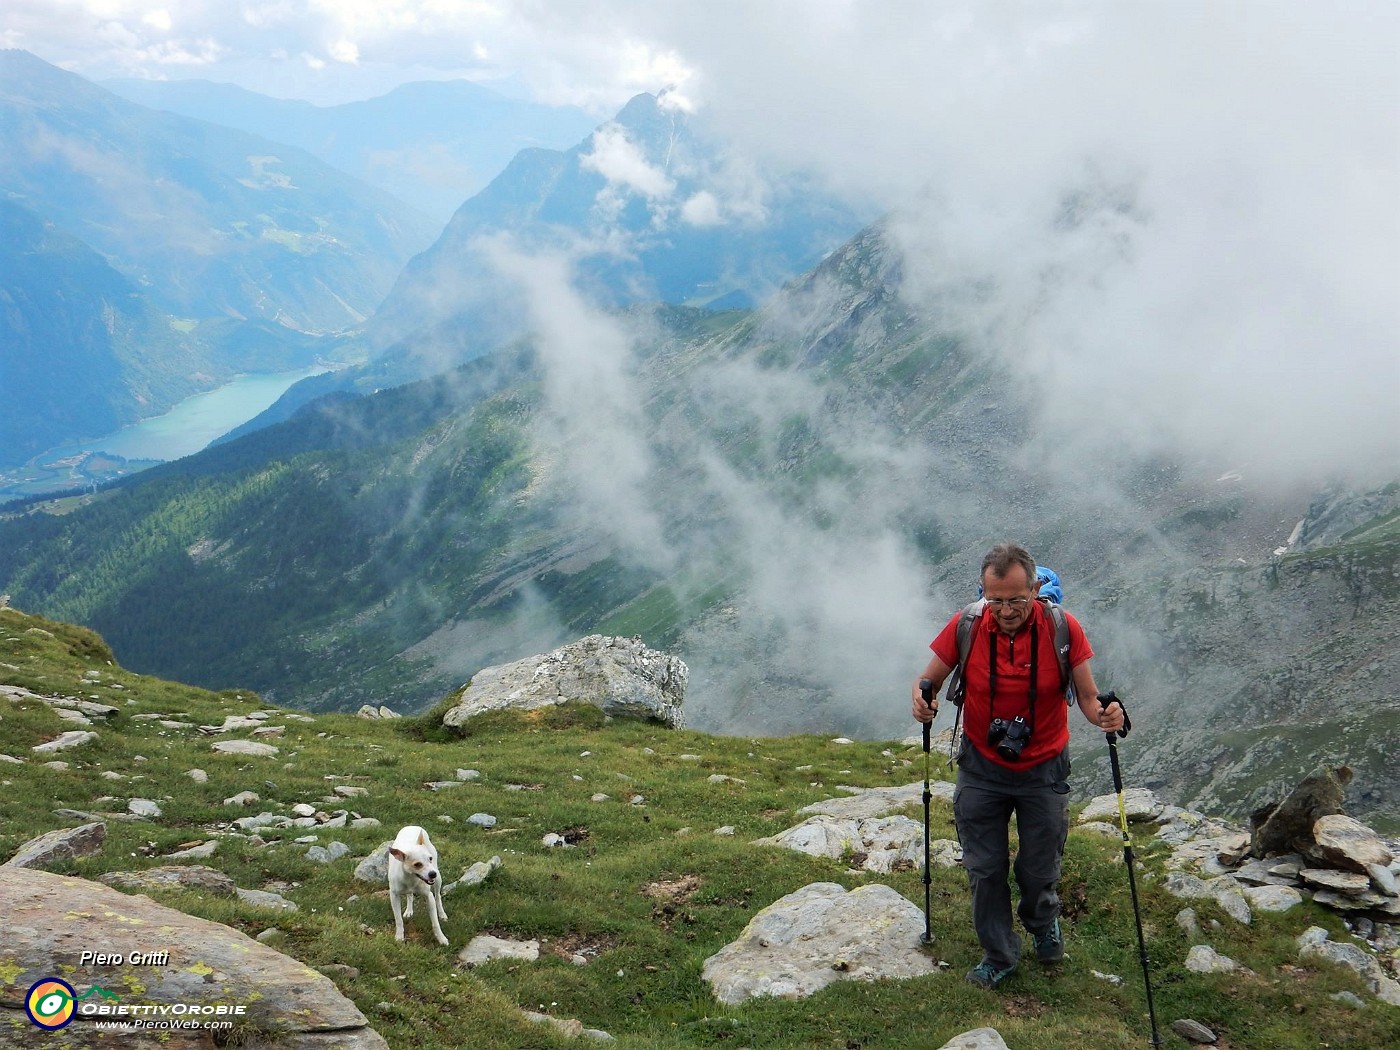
<point>181,961</point>
<point>818,934</point>
<point>619,675</point>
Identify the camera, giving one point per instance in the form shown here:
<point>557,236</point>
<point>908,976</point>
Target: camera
<point>1009,737</point>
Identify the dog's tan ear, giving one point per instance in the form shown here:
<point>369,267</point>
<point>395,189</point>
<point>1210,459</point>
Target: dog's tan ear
<point>422,838</point>
<point>396,853</point>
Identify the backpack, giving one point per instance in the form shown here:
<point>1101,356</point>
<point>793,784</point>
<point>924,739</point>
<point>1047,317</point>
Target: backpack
<point>1051,594</point>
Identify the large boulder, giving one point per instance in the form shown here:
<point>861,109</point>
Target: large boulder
<point>819,934</point>
<point>182,962</point>
<point>620,675</point>
<point>1287,826</point>
<point>63,844</point>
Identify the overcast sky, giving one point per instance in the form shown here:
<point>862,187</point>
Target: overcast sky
<point>1244,293</point>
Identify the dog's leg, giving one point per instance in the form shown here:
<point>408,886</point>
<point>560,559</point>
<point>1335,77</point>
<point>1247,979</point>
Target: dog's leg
<point>408,908</point>
<point>394,905</point>
<point>435,906</point>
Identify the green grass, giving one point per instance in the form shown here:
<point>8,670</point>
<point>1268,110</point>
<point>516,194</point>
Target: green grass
<point>647,894</point>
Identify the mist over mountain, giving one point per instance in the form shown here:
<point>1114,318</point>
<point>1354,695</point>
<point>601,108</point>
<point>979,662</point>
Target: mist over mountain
<point>205,220</point>
<point>792,499</point>
<point>431,144</point>
<point>650,206</point>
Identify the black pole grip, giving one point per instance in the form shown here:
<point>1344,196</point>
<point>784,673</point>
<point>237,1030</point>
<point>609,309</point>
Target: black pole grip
<point>926,692</point>
<point>1111,697</point>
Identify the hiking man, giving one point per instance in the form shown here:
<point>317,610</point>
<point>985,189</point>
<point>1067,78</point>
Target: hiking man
<point>1014,755</point>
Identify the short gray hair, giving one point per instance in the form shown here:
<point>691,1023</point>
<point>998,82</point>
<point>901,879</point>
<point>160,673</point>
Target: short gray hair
<point>1003,556</point>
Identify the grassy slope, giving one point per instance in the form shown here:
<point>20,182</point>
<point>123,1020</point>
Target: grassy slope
<point>642,982</point>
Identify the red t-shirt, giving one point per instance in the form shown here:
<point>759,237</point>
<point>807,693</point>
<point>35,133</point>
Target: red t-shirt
<point>1050,724</point>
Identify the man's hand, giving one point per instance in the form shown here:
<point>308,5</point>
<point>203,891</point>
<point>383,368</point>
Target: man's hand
<point>924,712</point>
<point>1111,716</point>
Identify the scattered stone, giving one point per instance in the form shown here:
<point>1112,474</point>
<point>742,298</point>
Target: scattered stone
<point>1141,805</point>
<point>1364,965</point>
<point>1272,898</point>
<point>977,1039</point>
<point>243,798</point>
<point>475,875</point>
<point>1233,903</point>
<point>326,854</point>
<point>878,802</point>
<point>484,948</point>
<point>1384,879</point>
<point>198,776</point>
<point>1202,958</point>
<point>232,723</point>
<point>245,747</point>
<point>143,807</point>
<point>482,820</point>
<point>374,869</point>
<point>64,741</point>
<point>350,790</point>
<point>1111,978</point>
<point>303,809</point>
<point>264,899</point>
<point>195,877</point>
<point>1193,1031</point>
<point>1188,922</point>
<point>63,844</point>
<point>202,851</point>
<point>468,774</point>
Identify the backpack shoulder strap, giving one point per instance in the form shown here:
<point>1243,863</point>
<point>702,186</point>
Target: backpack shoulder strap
<point>967,620</point>
<point>1057,617</point>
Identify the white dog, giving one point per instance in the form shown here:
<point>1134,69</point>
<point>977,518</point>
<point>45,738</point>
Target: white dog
<point>413,869</point>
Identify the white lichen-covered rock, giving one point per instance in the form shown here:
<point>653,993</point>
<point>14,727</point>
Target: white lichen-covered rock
<point>819,934</point>
<point>619,675</point>
<point>203,962</point>
<point>878,844</point>
<point>1314,945</point>
<point>977,1039</point>
<point>1140,804</point>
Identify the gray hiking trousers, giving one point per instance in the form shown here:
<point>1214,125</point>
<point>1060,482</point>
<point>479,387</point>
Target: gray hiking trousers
<point>984,799</point>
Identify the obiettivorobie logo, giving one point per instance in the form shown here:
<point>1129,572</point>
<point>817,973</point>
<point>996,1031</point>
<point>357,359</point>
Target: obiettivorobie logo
<point>52,1002</point>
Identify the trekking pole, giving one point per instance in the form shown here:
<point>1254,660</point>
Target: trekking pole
<point>926,691</point>
<point>1105,699</point>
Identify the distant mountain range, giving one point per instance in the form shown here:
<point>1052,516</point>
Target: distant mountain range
<point>207,221</point>
<point>431,144</point>
<point>650,208</point>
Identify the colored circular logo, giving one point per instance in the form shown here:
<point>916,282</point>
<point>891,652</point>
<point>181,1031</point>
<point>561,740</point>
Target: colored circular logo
<point>49,1003</point>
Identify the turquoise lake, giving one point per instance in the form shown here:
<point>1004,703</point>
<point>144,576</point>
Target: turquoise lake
<point>196,421</point>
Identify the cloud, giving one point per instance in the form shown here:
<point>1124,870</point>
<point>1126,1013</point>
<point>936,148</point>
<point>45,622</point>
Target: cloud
<point>619,160</point>
<point>702,209</point>
<point>590,436</point>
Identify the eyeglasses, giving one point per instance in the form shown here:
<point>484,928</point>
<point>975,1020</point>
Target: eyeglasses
<point>1014,604</point>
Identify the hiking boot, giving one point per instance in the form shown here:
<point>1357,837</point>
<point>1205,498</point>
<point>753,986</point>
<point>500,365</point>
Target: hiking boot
<point>1049,945</point>
<point>987,976</point>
